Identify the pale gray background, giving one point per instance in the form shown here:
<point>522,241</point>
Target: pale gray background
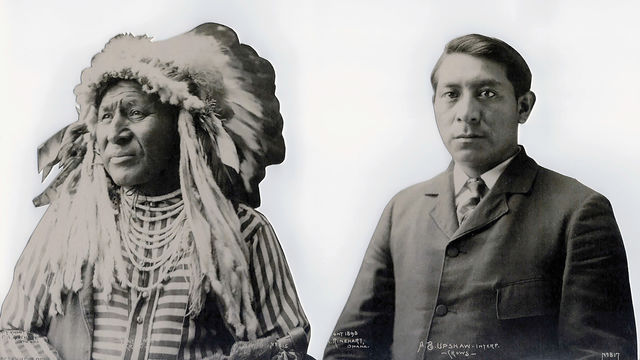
<point>352,79</point>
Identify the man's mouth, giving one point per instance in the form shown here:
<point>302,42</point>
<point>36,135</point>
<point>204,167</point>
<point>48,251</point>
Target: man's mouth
<point>120,158</point>
<point>468,136</point>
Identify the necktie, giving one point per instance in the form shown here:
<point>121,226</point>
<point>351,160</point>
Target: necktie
<point>477,189</point>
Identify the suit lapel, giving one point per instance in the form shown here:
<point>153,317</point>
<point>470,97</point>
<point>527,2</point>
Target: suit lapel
<point>517,178</point>
<point>444,211</point>
<point>490,209</point>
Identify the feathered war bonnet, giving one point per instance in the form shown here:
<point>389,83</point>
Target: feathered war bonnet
<point>230,129</point>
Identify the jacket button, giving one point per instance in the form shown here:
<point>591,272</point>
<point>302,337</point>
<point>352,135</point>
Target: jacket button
<point>139,319</point>
<point>441,310</point>
<point>452,251</point>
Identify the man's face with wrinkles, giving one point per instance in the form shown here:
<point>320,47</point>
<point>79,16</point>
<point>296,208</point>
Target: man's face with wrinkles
<point>138,140</point>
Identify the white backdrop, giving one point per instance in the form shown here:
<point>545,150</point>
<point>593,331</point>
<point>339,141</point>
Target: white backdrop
<point>352,78</point>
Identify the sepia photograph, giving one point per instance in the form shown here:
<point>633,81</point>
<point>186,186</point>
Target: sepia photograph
<point>319,180</point>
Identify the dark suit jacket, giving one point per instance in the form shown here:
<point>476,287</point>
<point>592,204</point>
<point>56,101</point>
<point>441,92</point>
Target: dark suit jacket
<point>537,271</point>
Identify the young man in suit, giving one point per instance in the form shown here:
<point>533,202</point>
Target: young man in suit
<point>497,257</point>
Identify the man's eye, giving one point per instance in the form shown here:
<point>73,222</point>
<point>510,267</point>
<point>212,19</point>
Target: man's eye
<point>105,117</point>
<point>487,94</point>
<point>136,114</point>
<point>450,95</point>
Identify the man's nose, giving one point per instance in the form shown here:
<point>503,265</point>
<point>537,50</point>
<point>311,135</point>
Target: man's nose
<point>468,109</point>
<point>119,132</point>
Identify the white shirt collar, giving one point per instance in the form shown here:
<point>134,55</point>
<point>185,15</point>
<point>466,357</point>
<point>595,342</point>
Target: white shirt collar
<point>490,177</point>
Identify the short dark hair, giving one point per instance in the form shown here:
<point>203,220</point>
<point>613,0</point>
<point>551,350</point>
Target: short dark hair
<point>492,49</point>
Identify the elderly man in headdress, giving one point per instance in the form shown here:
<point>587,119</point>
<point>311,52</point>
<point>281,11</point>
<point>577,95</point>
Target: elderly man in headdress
<point>151,247</point>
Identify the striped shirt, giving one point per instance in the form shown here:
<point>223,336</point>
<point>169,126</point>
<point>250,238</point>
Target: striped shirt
<point>153,325</point>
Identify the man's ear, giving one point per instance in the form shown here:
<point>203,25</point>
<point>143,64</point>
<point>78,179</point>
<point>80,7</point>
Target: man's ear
<point>525,105</point>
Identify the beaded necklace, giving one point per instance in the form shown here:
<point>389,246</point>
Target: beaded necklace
<point>152,225</point>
